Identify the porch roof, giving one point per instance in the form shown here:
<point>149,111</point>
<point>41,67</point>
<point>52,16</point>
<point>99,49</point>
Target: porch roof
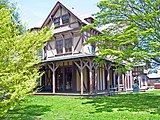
<point>67,57</point>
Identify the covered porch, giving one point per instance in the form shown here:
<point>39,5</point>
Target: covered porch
<point>79,76</point>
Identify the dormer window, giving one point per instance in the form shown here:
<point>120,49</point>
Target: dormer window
<point>65,19</point>
<point>56,21</point>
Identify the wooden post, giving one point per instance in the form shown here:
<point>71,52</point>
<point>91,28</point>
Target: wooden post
<point>118,82</point>
<point>45,77</point>
<point>81,67</point>
<point>90,79</point>
<point>108,77</point>
<point>103,78</point>
<point>125,78</point>
<point>123,81</point>
<point>53,69</point>
<point>96,79</point>
<point>81,81</point>
<point>95,82</point>
<point>63,86</point>
<point>128,80</point>
<point>100,80</point>
<point>114,79</point>
<point>53,79</point>
<point>90,66</point>
<point>131,79</point>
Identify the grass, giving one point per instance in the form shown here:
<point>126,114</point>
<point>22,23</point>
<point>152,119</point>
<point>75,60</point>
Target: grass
<point>142,106</point>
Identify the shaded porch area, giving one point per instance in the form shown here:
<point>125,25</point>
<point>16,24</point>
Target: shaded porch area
<point>81,76</point>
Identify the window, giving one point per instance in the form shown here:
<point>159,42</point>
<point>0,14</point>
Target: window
<point>56,21</point>
<point>59,46</point>
<point>93,48</point>
<point>68,45</point>
<point>65,19</point>
<point>40,53</point>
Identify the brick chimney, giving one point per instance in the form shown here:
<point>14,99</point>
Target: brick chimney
<point>89,20</point>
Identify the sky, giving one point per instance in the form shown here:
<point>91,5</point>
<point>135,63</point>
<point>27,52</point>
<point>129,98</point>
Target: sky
<point>34,12</point>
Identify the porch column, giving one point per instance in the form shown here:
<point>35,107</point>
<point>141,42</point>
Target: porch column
<point>131,79</point>
<point>54,88</point>
<point>45,77</point>
<point>90,66</point>
<point>81,67</point>
<point>125,78</point>
<point>108,76</point>
<point>118,82</point>
<point>96,78</point>
<point>128,80</point>
<point>114,79</point>
<point>103,78</point>
<point>53,69</point>
<point>123,82</point>
<point>81,81</point>
<point>90,80</point>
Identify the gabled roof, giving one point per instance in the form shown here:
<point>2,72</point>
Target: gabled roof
<point>70,10</point>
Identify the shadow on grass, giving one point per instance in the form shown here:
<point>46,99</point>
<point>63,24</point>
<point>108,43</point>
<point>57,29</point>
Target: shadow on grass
<point>30,112</point>
<point>143,102</point>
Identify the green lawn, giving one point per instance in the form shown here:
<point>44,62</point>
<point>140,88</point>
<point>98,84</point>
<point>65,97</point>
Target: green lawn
<point>142,106</point>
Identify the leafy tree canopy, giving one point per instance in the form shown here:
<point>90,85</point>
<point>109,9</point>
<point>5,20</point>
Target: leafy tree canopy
<point>130,30</point>
<point>18,57</point>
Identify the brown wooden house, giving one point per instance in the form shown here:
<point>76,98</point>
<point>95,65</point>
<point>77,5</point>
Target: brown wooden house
<point>69,66</point>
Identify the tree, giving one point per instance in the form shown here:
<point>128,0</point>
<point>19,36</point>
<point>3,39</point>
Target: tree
<point>18,57</point>
<point>130,30</point>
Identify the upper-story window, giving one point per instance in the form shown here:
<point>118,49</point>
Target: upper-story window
<point>65,19</point>
<point>68,45</point>
<point>56,21</point>
<point>93,48</point>
<point>59,46</point>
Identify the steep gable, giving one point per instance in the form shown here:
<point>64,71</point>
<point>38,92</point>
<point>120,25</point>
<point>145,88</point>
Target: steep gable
<point>60,11</point>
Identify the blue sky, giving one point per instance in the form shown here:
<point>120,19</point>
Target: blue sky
<point>34,12</point>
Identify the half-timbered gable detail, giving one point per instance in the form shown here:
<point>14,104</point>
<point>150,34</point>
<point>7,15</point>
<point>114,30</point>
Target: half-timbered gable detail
<point>67,37</point>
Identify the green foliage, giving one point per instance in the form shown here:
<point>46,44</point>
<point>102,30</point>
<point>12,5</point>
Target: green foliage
<point>131,30</point>
<point>18,57</point>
